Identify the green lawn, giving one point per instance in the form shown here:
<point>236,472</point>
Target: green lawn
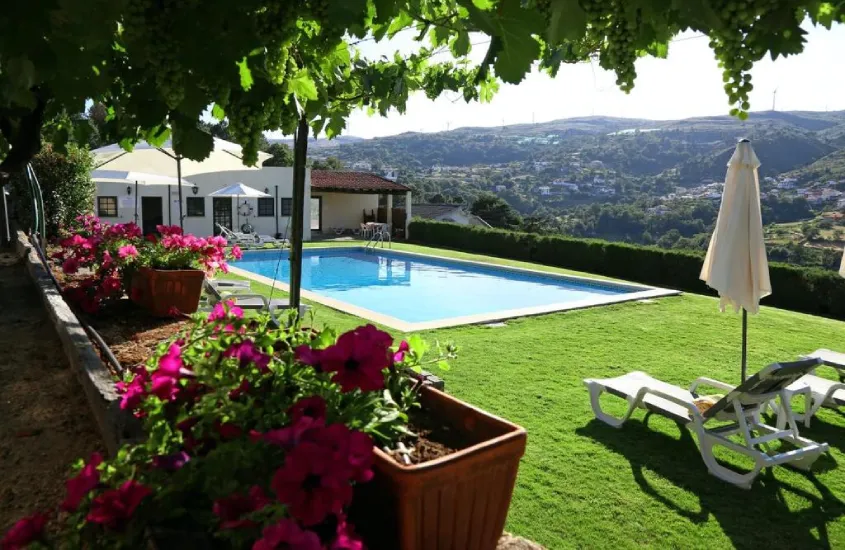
<point>583,484</point>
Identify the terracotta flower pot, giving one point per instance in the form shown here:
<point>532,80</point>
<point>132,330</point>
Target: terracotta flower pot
<point>162,291</point>
<point>459,501</point>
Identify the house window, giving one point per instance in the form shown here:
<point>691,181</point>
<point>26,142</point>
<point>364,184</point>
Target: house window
<point>265,207</point>
<point>107,207</point>
<point>196,207</point>
<point>287,207</point>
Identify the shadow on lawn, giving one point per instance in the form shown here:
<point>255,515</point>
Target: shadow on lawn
<point>755,518</point>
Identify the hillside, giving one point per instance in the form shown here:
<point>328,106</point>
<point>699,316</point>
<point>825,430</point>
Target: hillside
<point>692,149</point>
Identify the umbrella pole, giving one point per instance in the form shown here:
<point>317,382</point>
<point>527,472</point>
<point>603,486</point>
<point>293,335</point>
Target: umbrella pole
<point>238,212</point>
<point>169,210</point>
<point>744,342</point>
<point>179,177</point>
<point>300,152</point>
<point>136,202</point>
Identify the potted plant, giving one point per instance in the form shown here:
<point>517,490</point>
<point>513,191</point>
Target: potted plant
<point>164,275</point>
<point>425,494</point>
<point>170,270</point>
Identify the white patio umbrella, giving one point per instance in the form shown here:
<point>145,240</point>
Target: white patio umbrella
<point>238,190</point>
<point>736,264</point>
<point>164,160</point>
<point>842,265</point>
<point>122,176</point>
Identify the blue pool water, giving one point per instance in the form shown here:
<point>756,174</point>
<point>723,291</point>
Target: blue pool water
<point>417,288</point>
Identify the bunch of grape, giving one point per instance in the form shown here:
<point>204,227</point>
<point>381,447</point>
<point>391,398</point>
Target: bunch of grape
<point>738,44</point>
<point>276,60</point>
<point>618,52</point>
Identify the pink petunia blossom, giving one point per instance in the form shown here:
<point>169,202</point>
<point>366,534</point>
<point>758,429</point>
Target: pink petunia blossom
<point>311,485</point>
<point>232,509</point>
<point>237,253</point>
<point>358,359</point>
<point>24,532</point>
<point>128,251</point>
<point>70,266</point>
<point>309,356</point>
<point>225,309</point>
<point>171,463</point>
<point>228,430</point>
<point>312,407</point>
<point>82,483</point>
<point>288,535</point>
<point>116,506</point>
<point>248,353</point>
<point>346,537</point>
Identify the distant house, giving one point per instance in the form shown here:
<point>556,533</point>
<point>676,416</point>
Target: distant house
<point>787,183</point>
<point>831,194</point>
<point>453,213</point>
<point>597,164</point>
<point>363,166</point>
<point>544,190</point>
<point>569,186</point>
<point>391,174</point>
<point>540,166</point>
<point>840,203</point>
<point>659,210</point>
<point>598,180</point>
<point>501,188</point>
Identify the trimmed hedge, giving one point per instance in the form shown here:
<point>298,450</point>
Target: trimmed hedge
<point>808,290</point>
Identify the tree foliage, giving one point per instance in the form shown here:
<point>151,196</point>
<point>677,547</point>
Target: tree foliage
<point>65,180</point>
<point>282,155</point>
<point>156,68</point>
<point>496,211</point>
<point>329,163</point>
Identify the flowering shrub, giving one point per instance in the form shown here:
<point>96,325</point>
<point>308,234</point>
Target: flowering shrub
<point>256,436</point>
<point>113,252</point>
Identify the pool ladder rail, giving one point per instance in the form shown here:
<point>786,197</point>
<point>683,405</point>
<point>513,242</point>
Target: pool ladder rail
<point>378,238</point>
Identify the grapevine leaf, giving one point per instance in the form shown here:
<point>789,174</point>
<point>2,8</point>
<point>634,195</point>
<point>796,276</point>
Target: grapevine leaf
<point>568,20</point>
<point>520,48</point>
<point>658,49</point>
<point>302,86</point>
<point>218,112</point>
<point>335,126</point>
<point>483,4</point>
<point>443,365</point>
<point>245,74</point>
<point>385,10</point>
<point>825,15</point>
<point>460,45</point>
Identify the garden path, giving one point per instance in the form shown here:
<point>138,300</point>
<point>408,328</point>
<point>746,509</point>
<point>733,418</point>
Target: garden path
<point>45,422</point>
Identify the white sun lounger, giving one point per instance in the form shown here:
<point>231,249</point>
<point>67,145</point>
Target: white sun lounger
<point>249,240</point>
<point>819,392</point>
<point>741,406</point>
<point>244,300</point>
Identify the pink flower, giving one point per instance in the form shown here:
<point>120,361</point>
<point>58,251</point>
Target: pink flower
<point>171,463</point>
<point>166,230</point>
<point>135,391</point>
<point>82,483</point>
<point>248,353</point>
<point>114,507</point>
<point>227,430</point>
<point>346,537</point>
<point>24,532</point>
<point>237,253</point>
<point>399,356</point>
<point>165,379</point>
<point>288,535</point>
<point>312,407</point>
<point>242,388</point>
<point>128,251</point>
<point>231,509</point>
<point>290,436</point>
<point>351,451</point>
<point>309,356</point>
<point>310,484</point>
<point>358,359</point>
<point>107,261</point>
<point>70,266</point>
<point>225,309</point>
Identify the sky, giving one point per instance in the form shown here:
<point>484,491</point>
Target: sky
<point>686,84</point>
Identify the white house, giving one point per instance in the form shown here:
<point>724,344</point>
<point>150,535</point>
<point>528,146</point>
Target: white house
<point>659,210</point>
<point>362,165</point>
<point>597,164</point>
<point>831,194</point>
<point>544,190</point>
<point>598,180</point>
<point>569,186</point>
<point>336,201</point>
<point>500,188</point>
<point>787,183</point>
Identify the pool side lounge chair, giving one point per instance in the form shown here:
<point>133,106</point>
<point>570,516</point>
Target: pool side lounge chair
<point>819,392</point>
<point>230,284</point>
<point>255,302</point>
<point>741,406</point>
<point>249,240</point>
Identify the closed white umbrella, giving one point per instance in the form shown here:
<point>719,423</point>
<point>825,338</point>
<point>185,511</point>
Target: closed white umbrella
<point>164,161</point>
<point>736,265</point>
<point>238,190</point>
<point>842,266</point>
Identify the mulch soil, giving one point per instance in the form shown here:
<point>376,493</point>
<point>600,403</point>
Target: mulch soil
<point>45,420</point>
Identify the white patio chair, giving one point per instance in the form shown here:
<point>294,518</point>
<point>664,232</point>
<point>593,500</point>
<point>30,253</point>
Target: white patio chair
<point>817,391</point>
<point>742,407</point>
<point>255,302</point>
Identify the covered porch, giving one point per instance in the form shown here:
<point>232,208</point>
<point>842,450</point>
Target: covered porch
<point>342,201</point>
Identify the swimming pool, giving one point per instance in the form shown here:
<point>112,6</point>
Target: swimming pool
<point>411,291</point>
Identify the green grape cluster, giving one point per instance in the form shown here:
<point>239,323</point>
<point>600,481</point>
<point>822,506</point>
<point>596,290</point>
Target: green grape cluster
<point>737,45</point>
<point>618,52</point>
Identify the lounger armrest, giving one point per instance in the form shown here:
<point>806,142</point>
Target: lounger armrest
<point>693,410</point>
<point>704,381</point>
<point>241,295</point>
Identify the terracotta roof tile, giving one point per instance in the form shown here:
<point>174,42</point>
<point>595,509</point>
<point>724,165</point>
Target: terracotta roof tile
<point>361,182</point>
